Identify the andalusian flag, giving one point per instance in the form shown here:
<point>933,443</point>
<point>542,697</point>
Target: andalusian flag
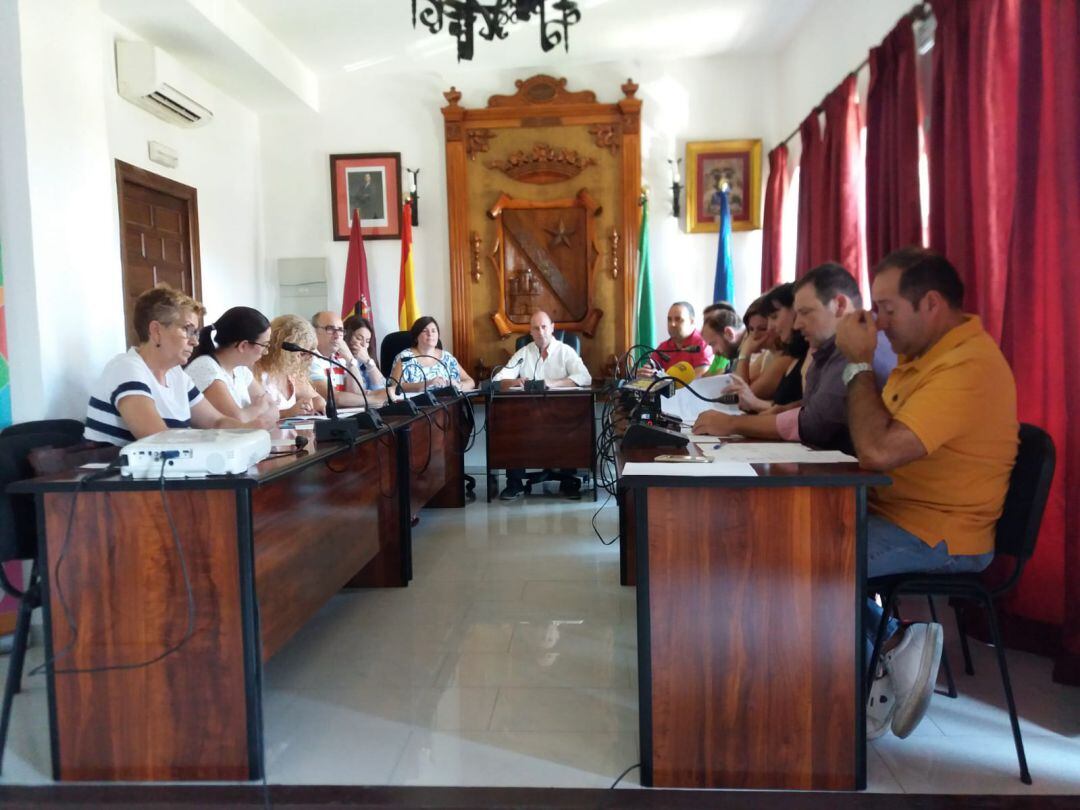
<point>645,325</point>
<point>408,310</point>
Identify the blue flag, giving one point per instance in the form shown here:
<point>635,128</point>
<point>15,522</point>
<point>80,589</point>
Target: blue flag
<point>724,287</point>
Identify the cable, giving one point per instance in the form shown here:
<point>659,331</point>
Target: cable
<point>624,773</point>
<point>596,514</point>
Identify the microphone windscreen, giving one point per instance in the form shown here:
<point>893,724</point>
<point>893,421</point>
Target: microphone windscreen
<point>289,346</point>
<point>683,372</point>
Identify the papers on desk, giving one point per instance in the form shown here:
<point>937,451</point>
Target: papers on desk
<point>769,453</point>
<point>685,406</point>
<point>716,469</point>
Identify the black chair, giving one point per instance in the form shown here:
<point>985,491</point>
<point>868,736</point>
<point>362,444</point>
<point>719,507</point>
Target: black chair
<point>392,345</point>
<point>72,427</point>
<point>19,540</point>
<point>571,339</point>
<point>1017,532</point>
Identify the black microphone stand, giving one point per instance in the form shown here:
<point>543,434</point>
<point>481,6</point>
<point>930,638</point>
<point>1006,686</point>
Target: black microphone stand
<point>369,419</point>
<point>424,397</point>
<point>398,407</point>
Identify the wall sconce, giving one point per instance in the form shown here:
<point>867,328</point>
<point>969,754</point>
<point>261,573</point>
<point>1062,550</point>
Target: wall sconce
<point>676,186</point>
<point>414,198</point>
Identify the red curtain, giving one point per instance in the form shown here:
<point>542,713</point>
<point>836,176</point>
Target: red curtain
<point>772,243</point>
<point>893,118</point>
<point>843,228</point>
<point>811,174</point>
<point>1005,208</point>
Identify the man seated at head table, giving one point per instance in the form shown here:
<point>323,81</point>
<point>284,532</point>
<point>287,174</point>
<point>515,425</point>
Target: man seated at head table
<point>684,343</point>
<point>145,391</point>
<point>822,297</point>
<point>723,331</point>
<point>330,334</point>
<point>945,429</point>
<point>559,366</point>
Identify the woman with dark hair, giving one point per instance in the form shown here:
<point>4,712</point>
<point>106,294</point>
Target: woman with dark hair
<point>780,385</point>
<point>425,365</point>
<point>221,364</point>
<point>358,337</point>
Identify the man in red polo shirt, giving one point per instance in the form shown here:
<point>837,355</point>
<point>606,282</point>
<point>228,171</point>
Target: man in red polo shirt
<point>685,343</point>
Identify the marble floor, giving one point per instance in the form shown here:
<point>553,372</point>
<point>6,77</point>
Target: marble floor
<point>511,661</point>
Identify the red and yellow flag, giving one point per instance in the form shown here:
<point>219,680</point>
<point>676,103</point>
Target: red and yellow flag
<point>408,310</point>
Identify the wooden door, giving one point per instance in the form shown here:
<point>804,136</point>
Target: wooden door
<point>159,240</point>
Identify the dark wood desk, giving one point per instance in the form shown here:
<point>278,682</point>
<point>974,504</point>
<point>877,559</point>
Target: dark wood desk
<point>549,429</point>
<point>750,642</point>
<point>263,552</point>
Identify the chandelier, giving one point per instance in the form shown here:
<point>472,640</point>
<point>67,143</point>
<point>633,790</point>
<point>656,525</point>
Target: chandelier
<point>462,16</point>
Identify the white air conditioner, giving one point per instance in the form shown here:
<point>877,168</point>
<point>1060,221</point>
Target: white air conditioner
<point>147,77</point>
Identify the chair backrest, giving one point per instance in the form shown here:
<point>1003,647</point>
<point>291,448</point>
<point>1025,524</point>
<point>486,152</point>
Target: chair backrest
<point>71,427</point>
<point>392,345</point>
<point>571,339</point>
<point>1029,487</point>
<point>18,517</point>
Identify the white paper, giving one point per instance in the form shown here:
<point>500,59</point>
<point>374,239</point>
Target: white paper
<point>715,469</point>
<point>685,406</point>
<point>771,453</point>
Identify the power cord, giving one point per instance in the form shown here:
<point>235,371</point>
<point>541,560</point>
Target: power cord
<point>624,773</point>
<point>596,531</point>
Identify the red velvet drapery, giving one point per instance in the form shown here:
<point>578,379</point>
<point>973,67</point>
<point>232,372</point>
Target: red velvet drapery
<point>1005,208</point>
<point>893,118</point>
<point>771,241</point>
<point>811,175</point>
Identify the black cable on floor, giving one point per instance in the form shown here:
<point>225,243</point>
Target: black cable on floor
<point>624,773</point>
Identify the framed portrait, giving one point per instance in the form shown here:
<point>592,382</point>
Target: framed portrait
<point>370,182</point>
<point>709,164</point>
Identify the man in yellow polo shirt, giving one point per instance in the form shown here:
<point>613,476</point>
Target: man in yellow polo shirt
<point>945,429</point>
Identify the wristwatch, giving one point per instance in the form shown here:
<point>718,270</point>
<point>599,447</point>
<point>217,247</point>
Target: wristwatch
<point>852,370</point>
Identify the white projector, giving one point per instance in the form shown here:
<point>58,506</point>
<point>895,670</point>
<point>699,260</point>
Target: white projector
<point>190,453</point>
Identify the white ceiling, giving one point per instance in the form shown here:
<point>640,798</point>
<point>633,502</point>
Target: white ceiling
<point>334,37</point>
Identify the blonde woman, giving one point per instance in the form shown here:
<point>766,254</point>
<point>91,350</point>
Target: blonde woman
<point>284,374</point>
<point>145,390</point>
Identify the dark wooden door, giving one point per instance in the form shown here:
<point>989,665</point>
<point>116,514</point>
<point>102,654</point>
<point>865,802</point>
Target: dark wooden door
<point>158,236</point>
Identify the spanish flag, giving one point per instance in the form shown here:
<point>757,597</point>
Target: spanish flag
<point>408,310</point>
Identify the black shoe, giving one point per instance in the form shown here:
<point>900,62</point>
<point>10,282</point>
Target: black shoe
<point>571,489</point>
<point>512,492</point>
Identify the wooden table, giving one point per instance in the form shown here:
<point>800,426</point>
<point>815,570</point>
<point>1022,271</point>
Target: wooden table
<point>750,645</point>
<point>550,429</point>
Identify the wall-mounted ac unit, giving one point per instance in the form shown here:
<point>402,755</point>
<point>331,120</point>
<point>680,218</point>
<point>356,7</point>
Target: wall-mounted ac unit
<point>147,77</point>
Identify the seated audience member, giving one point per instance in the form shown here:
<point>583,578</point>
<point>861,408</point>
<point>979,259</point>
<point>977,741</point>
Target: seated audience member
<point>684,343</point>
<point>425,365</point>
<point>330,334</point>
<point>822,297</point>
<point>221,364</point>
<point>754,354</point>
<point>559,366</point>
<point>359,337</point>
<point>284,374</point>
<point>781,385</point>
<point>723,331</point>
<point>145,391</point>
<point>946,431</point>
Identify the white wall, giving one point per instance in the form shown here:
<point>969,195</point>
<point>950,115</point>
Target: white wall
<point>699,99</point>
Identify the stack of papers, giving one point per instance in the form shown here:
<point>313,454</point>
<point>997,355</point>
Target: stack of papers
<point>685,406</point>
<point>768,452</point>
<point>714,469</point>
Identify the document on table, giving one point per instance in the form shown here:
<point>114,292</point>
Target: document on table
<point>770,453</point>
<point>714,469</point>
<point>685,406</point>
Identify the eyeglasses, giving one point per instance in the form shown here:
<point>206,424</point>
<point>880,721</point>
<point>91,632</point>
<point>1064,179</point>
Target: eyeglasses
<point>190,332</point>
<point>260,345</point>
<point>333,330</point>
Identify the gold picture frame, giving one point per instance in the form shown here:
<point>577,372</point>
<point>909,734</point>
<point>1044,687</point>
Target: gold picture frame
<point>708,163</point>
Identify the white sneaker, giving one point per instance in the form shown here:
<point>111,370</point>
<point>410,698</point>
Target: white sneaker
<point>880,706</point>
<point>912,666</point>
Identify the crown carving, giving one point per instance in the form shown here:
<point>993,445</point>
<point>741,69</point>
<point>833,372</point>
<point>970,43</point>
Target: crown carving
<point>543,164</point>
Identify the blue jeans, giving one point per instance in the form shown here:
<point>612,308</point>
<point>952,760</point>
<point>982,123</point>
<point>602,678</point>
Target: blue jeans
<point>891,550</point>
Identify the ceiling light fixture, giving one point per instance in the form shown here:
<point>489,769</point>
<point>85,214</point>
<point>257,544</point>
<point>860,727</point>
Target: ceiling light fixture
<point>462,16</point>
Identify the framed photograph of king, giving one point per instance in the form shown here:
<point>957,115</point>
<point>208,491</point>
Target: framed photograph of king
<point>710,164</point>
<point>370,182</point>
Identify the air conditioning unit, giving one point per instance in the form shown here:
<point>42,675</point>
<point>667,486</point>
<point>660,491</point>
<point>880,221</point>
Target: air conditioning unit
<point>148,77</point>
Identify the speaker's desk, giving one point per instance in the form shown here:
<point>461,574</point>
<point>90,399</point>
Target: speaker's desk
<point>550,429</point>
<point>749,594</point>
<point>262,553</point>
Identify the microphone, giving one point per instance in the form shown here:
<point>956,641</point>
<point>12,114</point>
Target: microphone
<point>535,384</point>
<point>401,407</point>
<point>368,419</point>
<point>495,371</point>
<point>449,389</point>
<point>683,372</point>
<point>425,398</point>
<point>664,357</point>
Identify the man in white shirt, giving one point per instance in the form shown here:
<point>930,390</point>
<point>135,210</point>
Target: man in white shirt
<point>559,366</point>
<point>330,332</point>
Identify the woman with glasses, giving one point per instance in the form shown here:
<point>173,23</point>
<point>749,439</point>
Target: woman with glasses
<point>145,390</point>
<point>358,332</point>
<point>221,364</point>
<point>425,365</point>
<point>284,374</point>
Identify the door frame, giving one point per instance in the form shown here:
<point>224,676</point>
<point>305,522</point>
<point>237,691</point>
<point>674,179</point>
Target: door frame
<point>133,175</point>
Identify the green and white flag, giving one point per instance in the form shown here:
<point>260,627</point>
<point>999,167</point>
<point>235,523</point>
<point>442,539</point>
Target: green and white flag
<point>645,325</point>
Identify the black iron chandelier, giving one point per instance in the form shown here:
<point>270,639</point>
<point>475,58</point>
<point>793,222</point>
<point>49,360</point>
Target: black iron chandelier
<point>494,16</point>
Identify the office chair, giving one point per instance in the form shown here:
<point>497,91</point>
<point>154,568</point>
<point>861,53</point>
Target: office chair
<point>571,339</point>
<point>1016,534</point>
<point>392,345</point>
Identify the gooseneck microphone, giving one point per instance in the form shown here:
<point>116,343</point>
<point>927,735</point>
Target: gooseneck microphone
<point>399,407</point>
<point>425,397</point>
<point>369,418</point>
<point>495,372</point>
<point>453,391</point>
